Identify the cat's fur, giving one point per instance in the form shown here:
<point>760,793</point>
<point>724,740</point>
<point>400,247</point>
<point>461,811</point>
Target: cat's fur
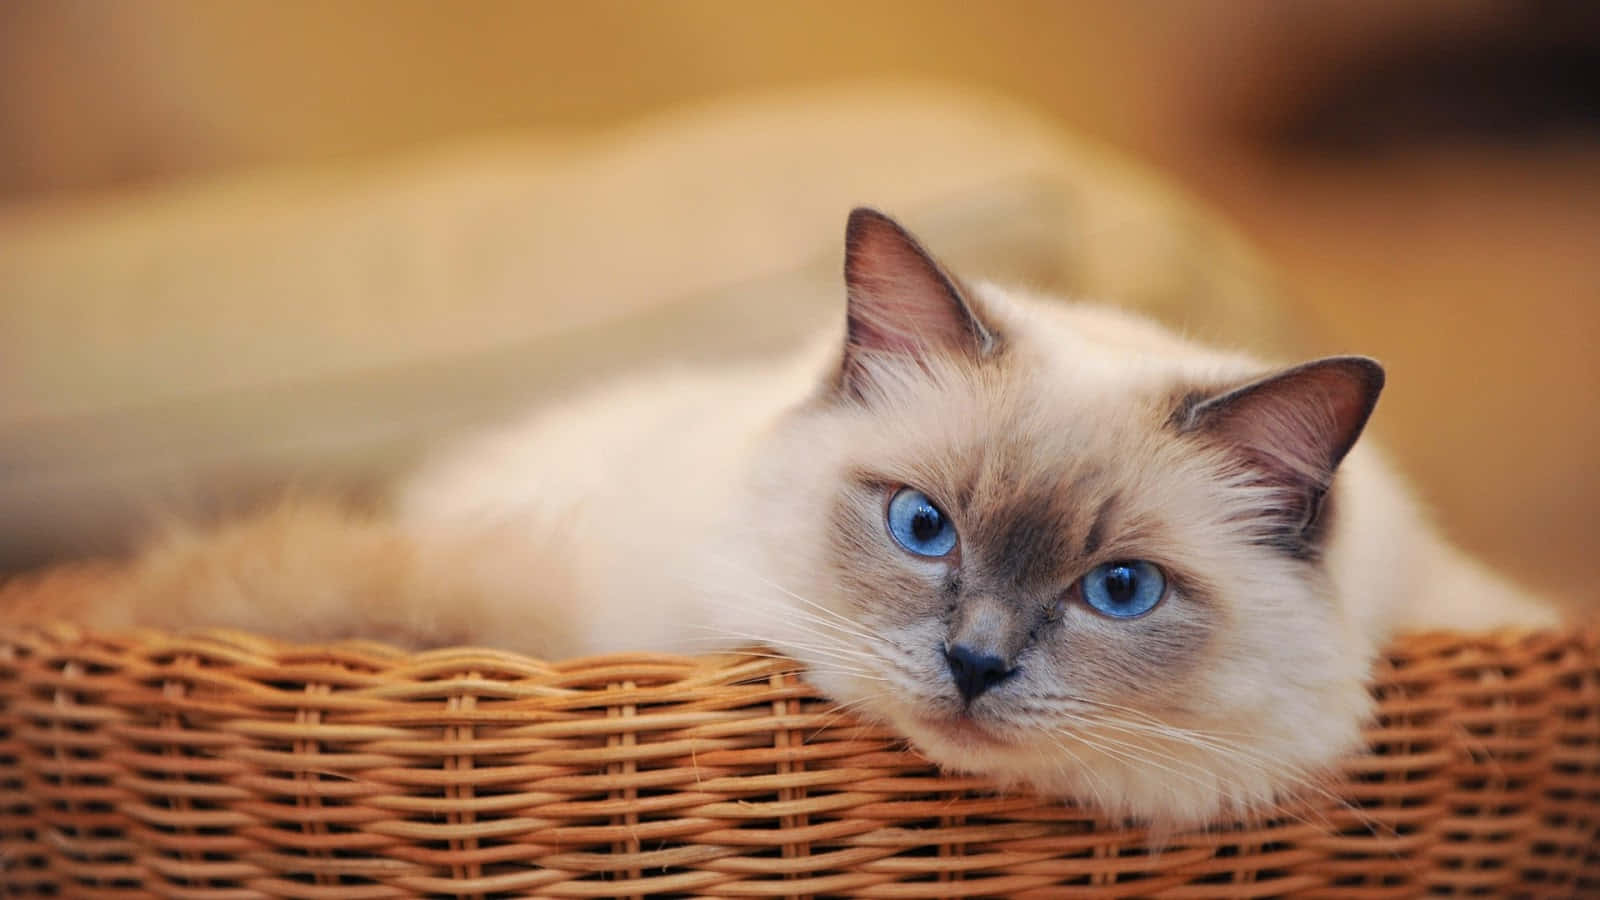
<point>688,510</point>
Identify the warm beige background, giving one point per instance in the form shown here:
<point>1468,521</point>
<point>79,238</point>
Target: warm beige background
<point>1472,271</point>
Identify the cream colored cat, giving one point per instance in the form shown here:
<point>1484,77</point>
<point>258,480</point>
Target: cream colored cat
<point>1054,544</point>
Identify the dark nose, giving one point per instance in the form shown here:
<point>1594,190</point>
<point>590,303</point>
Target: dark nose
<point>975,672</point>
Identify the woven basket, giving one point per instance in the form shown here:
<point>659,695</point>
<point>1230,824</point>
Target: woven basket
<point>145,765</point>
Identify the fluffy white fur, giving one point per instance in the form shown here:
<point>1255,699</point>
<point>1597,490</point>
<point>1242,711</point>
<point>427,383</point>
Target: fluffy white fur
<point>689,510</point>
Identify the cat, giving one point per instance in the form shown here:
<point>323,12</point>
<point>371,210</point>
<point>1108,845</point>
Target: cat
<point>1050,543</point>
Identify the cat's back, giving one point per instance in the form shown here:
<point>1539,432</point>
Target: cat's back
<point>602,506</point>
<point>634,437</point>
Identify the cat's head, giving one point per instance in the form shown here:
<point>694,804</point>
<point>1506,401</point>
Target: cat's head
<point>1065,548</point>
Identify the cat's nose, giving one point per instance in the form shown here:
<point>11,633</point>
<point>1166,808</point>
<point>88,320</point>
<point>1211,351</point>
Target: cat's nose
<point>975,672</point>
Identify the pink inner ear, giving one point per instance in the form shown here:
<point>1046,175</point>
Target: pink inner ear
<point>901,301</point>
<point>893,312</point>
<point>1300,422</point>
<point>1288,435</point>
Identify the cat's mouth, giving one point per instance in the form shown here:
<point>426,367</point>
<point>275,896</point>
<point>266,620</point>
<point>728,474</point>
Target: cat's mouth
<point>963,729</point>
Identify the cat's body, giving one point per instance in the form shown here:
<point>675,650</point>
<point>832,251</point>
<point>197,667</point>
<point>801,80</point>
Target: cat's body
<point>1044,443</point>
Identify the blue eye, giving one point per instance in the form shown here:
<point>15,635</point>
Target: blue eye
<point>919,526</point>
<point>1124,590</point>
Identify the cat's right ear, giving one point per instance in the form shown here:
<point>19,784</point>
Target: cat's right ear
<point>903,306</point>
<point>1293,429</point>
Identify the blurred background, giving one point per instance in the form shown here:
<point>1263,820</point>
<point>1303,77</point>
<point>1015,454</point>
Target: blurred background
<point>251,244</point>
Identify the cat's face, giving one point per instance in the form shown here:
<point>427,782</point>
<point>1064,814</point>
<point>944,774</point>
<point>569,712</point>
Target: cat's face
<point>1082,568</point>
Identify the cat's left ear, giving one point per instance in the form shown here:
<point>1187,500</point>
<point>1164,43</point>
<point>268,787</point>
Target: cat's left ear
<point>902,303</point>
<point>1294,427</point>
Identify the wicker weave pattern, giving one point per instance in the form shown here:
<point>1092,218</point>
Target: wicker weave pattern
<point>142,765</point>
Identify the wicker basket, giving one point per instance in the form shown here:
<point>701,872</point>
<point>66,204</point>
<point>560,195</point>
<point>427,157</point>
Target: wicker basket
<point>145,765</point>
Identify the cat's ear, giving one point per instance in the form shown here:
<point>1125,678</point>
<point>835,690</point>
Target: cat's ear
<point>902,303</point>
<point>1294,427</point>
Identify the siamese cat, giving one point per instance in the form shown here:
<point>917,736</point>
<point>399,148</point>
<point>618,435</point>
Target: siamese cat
<point>1049,543</point>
